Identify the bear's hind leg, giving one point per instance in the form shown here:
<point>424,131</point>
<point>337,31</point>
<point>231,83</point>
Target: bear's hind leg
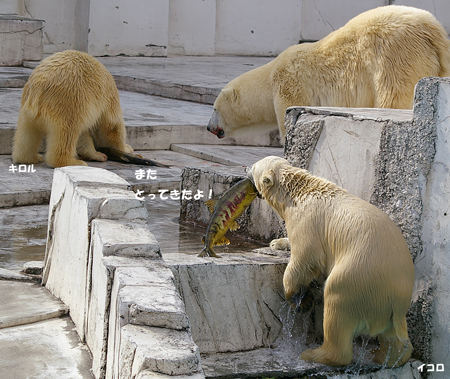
<point>27,140</point>
<point>112,129</point>
<point>337,347</point>
<point>61,146</point>
<point>393,352</point>
<point>86,148</point>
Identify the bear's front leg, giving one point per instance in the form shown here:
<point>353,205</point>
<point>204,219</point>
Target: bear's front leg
<point>280,244</point>
<point>296,279</point>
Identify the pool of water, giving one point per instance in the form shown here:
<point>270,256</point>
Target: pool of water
<point>176,237</point>
<point>23,233</point>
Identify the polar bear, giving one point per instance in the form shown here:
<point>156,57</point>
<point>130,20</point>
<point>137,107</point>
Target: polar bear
<point>67,97</point>
<point>361,252</point>
<point>374,61</point>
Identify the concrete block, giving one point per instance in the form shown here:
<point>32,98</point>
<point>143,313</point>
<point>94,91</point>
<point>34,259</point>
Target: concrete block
<point>244,313</point>
<point>109,238</point>
<point>73,205</point>
<point>165,351</point>
<point>33,267</point>
<point>432,270</point>
<point>124,239</point>
<point>140,294</point>
<point>20,39</point>
<point>339,144</point>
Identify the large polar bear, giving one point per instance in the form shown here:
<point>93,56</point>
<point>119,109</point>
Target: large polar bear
<point>375,60</point>
<point>67,97</point>
<point>361,252</point>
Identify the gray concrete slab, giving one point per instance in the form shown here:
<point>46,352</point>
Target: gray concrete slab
<point>198,79</point>
<point>14,77</point>
<point>151,121</point>
<point>30,188</point>
<point>45,350</point>
<point>25,303</point>
<point>228,155</point>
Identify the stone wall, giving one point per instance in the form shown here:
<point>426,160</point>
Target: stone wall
<point>20,39</point>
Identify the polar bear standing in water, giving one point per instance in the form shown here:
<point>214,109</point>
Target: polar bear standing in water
<point>68,96</point>
<point>358,249</point>
<point>374,61</point>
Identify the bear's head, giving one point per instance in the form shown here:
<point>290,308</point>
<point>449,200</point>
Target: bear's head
<point>265,176</point>
<point>224,118</point>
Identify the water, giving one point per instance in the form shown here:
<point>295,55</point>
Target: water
<point>176,237</point>
<point>23,233</point>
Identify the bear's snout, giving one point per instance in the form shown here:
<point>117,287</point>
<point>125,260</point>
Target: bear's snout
<point>213,125</point>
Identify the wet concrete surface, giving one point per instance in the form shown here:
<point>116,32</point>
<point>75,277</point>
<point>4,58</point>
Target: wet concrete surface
<point>48,349</point>
<point>23,234</point>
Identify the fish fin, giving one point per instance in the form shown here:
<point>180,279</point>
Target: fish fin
<point>211,204</point>
<point>208,253</point>
<point>234,226</point>
<point>222,241</point>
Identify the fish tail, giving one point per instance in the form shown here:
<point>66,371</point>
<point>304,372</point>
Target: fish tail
<point>207,252</point>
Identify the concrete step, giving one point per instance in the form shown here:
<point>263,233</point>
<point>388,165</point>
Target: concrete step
<point>152,122</point>
<point>228,155</point>
<point>197,79</point>
<point>14,77</point>
<point>48,349</point>
<point>25,303</point>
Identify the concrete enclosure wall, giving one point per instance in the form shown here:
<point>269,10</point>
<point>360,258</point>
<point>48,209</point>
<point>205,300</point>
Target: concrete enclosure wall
<point>161,27</point>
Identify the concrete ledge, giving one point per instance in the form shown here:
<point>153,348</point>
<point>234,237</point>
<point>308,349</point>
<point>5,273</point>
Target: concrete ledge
<point>165,351</point>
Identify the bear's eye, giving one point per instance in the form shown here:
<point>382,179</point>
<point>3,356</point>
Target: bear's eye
<point>266,180</point>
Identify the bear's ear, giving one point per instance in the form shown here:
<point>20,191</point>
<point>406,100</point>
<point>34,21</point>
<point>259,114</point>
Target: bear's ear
<point>267,181</point>
<point>230,94</point>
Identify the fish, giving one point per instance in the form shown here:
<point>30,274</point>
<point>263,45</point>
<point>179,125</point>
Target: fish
<point>225,211</point>
<point>120,156</point>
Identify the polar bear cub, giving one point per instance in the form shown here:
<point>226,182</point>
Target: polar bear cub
<point>358,248</point>
<point>67,97</point>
